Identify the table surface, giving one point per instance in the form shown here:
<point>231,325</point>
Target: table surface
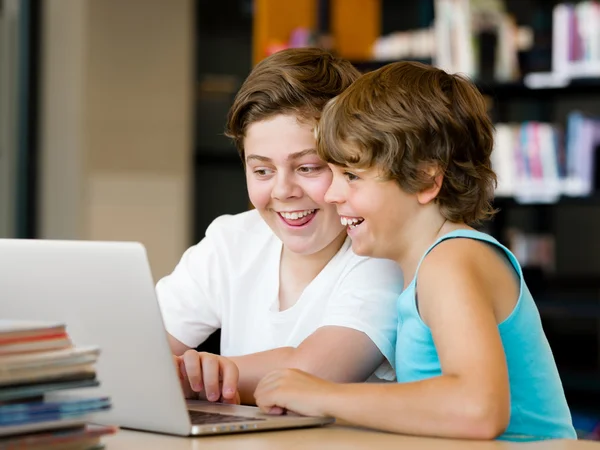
<point>328,437</point>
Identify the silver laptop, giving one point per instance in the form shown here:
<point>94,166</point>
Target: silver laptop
<point>104,293</point>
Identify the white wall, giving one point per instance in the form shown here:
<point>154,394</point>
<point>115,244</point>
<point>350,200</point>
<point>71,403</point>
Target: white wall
<point>117,93</point>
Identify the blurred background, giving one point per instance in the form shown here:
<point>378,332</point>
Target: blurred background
<point>112,115</point>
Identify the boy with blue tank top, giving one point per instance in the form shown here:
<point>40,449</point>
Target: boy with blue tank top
<point>409,146</point>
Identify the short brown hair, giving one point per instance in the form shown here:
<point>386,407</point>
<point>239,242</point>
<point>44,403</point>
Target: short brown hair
<point>293,81</point>
<point>407,116</point>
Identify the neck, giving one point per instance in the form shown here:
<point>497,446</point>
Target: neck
<point>421,234</point>
<point>307,267</point>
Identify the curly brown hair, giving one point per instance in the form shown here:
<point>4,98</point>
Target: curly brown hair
<point>296,81</point>
<point>407,117</point>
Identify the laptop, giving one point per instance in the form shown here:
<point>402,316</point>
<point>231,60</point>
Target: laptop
<point>104,293</point>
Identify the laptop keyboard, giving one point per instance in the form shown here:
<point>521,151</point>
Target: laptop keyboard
<point>205,418</point>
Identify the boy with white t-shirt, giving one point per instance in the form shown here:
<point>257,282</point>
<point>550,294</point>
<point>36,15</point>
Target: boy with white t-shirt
<point>239,263</point>
<point>281,281</point>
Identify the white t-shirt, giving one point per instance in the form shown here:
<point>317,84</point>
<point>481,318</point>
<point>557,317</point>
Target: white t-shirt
<point>230,280</point>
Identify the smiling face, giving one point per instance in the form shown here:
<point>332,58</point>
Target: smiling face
<point>287,182</point>
<point>376,211</point>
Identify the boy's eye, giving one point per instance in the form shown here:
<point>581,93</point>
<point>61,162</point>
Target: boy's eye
<point>308,169</point>
<point>262,172</point>
<point>350,176</point>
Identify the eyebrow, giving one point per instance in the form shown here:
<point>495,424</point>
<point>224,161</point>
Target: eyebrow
<point>291,157</point>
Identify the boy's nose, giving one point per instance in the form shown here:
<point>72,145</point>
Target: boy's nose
<point>285,188</point>
<point>334,193</point>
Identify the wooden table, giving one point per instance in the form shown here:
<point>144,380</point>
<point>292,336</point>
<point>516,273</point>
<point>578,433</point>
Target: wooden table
<point>329,437</point>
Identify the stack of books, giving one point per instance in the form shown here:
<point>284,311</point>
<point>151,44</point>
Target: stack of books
<point>39,368</point>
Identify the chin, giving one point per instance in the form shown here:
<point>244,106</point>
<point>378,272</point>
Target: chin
<point>301,248</point>
<point>361,250</point>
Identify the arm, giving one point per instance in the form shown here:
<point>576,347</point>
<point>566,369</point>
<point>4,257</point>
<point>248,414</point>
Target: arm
<point>357,331</point>
<point>189,297</point>
<point>334,353</point>
<point>190,303</point>
<point>470,400</point>
<point>178,348</point>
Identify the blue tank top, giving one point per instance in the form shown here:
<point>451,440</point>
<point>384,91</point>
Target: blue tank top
<point>538,406</point>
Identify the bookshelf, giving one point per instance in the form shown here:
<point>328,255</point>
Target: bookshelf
<point>568,296</point>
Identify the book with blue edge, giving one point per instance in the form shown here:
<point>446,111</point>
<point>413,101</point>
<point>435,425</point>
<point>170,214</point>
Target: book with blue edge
<point>39,365</point>
<point>31,412</point>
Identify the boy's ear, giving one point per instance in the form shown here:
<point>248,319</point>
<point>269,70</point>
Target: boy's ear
<point>429,194</point>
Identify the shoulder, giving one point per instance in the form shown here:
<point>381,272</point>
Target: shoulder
<point>462,256</point>
<point>465,269</point>
<point>455,261</point>
<point>455,249</point>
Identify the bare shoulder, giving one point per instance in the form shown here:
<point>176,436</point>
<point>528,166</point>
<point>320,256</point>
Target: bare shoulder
<point>465,257</point>
<point>463,269</point>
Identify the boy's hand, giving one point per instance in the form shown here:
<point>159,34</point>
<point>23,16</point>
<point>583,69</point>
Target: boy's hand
<point>293,390</point>
<point>209,376</point>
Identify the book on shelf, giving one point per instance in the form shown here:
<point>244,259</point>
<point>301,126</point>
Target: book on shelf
<point>540,162</point>
<point>533,250</point>
<point>576,39</point>
<point>575,45</point>
<point>478,39</point>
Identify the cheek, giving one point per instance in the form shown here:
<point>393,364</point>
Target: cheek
<point>258,192</point>
<point>316,188</point>
<point>366,204</point>
<point>390,211</point>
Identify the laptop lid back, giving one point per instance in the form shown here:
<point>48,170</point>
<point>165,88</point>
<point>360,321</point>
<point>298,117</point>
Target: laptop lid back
<point>104,293</point>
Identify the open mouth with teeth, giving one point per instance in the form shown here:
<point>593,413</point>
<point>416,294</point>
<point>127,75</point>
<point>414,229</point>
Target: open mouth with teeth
<point>351,222</point>
<point>297,218</point>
